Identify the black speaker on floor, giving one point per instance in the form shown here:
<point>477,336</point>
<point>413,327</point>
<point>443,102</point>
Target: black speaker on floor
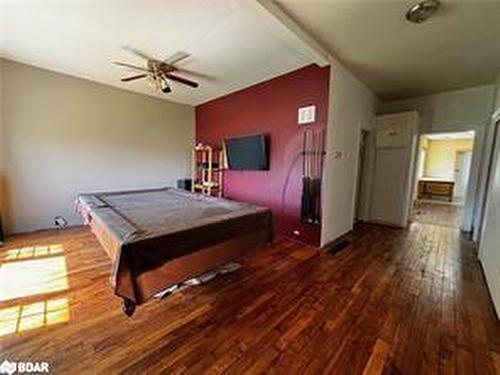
<point>184,183</point>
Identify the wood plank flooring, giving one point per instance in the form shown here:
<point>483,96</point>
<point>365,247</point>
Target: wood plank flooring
<point>438,213</point>
<point>394,301</point>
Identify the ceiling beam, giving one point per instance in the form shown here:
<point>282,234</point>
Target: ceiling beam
<point>285,28</point>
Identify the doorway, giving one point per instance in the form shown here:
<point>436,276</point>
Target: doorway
<point>360,188</point>
<point>442,177</point>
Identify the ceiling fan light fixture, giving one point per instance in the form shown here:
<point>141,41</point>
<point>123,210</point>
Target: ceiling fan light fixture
<point>159,72</point>
<point>422,11</point>
<point>152,82</point>
<point>164,86</point>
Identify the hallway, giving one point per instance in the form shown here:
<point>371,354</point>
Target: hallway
<point>437,213</point>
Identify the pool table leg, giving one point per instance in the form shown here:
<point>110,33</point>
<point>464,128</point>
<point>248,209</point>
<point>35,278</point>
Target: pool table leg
<point>128,306</point>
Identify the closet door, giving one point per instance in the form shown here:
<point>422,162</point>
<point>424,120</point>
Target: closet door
<point>395,143</point>
<point>390,186</point>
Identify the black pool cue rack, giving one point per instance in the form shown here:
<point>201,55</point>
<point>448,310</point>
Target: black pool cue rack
<point>312,168</point>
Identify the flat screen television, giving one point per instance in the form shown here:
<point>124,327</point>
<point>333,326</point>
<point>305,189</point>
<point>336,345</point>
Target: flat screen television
<point>247,153</point>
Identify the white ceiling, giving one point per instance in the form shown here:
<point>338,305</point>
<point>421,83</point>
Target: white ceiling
<point>458,48</point>
<point>227,39</point>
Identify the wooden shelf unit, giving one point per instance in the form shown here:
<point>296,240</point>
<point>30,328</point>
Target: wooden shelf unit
<point>207,170</point>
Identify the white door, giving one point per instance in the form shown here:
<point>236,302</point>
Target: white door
<point>390,186</point>
<point>462,169</point>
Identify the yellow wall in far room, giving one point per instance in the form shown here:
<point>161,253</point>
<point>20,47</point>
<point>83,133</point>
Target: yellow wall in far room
<point>441,156</point>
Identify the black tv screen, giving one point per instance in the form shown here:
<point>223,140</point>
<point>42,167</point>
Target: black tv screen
<point>247,153</point>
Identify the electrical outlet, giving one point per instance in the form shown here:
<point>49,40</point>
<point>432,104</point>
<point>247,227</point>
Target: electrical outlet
<point>60,222</point>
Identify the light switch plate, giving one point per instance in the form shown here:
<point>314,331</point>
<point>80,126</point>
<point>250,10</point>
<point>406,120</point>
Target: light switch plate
<point>307,115</point>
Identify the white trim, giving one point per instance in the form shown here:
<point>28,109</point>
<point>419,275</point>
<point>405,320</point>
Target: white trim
<point>496,115</point>
<point>489,160</point>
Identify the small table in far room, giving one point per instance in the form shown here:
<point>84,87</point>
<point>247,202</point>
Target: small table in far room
<point>433,187</point>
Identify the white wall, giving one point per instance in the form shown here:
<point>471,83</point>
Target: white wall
<point>64,135</point>
<point>457,110</point>
<point>450,110</point>
<point>489,250</point>
<point>351,108</point>
<point>490,240</point>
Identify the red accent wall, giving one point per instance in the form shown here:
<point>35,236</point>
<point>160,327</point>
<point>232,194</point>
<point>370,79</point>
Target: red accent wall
<point>270,107</point>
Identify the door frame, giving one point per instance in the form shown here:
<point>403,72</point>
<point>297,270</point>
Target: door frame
<point>457,155</point>
<point>473,182</point>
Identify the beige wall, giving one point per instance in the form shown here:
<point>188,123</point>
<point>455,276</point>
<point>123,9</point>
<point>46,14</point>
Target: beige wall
<point>64,135</point>
<point>441,157</point>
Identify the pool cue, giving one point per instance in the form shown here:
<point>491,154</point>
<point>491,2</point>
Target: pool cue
<point>305,184</point>
<point>314,181</point>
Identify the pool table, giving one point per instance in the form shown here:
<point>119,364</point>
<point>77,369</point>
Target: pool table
<point>157,238</point>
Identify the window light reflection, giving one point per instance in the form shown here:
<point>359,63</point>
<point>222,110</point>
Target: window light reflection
<point>33,276</point>
<point>32,252</point>
<point>27,317</point>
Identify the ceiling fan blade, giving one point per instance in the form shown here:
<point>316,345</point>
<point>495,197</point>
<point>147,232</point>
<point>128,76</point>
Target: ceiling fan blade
<point>195,74</point>
<point>176,57</point>
<point>181,80</point>
<point>133,78</point>
<point>131,66</point>
<point>139,53</point>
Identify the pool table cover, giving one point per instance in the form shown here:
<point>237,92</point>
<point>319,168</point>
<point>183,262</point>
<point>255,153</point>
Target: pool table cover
<point>144,230</point>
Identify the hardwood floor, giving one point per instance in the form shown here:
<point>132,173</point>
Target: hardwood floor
<point>437,213</point>
<point>394,301</point>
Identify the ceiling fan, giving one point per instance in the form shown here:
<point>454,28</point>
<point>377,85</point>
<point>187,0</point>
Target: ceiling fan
<point>160,72</point>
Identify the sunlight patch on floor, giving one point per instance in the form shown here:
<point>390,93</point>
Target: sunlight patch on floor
<point>35,315</point>
<point>22,278</point>
<point>32,252</point>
